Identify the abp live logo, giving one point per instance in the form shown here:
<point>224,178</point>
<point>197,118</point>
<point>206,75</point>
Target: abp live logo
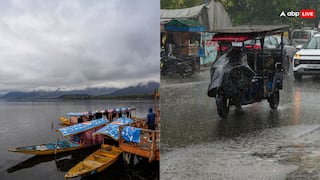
<point>303,13</point>
<point>307,13</point>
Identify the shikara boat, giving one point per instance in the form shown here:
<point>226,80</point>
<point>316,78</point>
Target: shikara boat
<point>47,149</point>
<point>119,112</point>
<point>65,121</point>
<point>95,162</point>
<point>86,128</point>
<point>72,117</point>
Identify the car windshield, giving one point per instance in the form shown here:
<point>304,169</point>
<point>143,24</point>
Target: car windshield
<point>314,43</point>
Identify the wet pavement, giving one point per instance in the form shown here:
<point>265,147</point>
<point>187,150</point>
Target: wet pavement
<point>256,144</point>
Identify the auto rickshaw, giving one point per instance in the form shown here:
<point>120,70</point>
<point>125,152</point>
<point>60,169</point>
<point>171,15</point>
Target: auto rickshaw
<point>245,74</point>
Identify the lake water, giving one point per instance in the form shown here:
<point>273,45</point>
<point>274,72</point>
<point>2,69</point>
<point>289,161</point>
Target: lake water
<point>31,123</point>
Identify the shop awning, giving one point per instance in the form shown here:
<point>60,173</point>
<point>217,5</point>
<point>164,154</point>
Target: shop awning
<point>184,25</point>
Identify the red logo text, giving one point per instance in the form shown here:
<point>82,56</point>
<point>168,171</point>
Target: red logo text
<point>307,13</point>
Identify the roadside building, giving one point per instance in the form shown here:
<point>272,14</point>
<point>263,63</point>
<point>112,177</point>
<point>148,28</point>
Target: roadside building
<point>193,24</point>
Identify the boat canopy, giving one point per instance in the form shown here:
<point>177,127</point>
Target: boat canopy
<point>112,129</point>
<point>81,127</point>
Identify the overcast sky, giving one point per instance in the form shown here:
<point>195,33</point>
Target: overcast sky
<point>78,43</point>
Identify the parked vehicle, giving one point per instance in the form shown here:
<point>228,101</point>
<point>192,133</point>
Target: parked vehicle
<point>301,36</point>
<point>307,60</point>
<point>246,75</point>
<point>288,49</point>
<point>273,42</point>
<point>186,66</point>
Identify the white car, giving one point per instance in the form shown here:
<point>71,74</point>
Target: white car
<point>307,60</point>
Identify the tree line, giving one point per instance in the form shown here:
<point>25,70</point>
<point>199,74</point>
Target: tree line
<point>258,11</point>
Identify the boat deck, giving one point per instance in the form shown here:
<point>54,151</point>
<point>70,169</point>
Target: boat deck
<point>149,145</point>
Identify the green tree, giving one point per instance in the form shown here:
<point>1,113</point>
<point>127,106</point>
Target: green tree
<point>257,11</point>
<point>179,4</point>
<point>267,12</point>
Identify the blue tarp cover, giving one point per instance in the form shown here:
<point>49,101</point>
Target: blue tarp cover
<point>112,129</point>
<point>131,134</point>
<point>184,25</point>
<point>81,127</point>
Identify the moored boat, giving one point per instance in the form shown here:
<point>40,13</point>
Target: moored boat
<point>95,162</point>
<point>81,135</point>
<point>47,149</point>
<point>65,121</point>
<point>76,117</point>
<point>110,114</point>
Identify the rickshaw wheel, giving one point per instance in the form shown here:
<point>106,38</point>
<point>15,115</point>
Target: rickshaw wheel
<point>188,72</point>
<point>274,100</point>
<point>222,106</point>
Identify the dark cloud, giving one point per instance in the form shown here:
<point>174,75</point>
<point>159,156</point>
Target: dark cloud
<point>74,44</point>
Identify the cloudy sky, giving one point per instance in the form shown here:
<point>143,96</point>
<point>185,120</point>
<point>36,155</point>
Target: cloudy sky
<point>78,43</point>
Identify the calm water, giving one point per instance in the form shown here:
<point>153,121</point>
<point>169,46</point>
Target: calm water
<point>30,123</point>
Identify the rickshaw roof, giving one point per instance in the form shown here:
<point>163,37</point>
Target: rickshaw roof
<point>243,33</point>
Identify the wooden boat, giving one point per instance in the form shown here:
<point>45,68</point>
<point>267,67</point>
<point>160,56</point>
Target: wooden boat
<point>81,134</point>
<point>72,117</point>
<point>65,121</point>
<point>95,162</point>
<point>47,149</point>
<point>118,112</point>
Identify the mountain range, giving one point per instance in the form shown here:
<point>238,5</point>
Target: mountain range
<point>138,90</point>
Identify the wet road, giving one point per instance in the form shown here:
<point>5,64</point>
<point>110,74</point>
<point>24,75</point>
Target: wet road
<point>257,144</point>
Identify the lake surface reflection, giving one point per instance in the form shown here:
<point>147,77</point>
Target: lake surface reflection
<point>35,122</point>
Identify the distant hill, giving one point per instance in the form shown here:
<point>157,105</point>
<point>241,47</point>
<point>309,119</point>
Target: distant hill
<point>20,95</point>
<point>140,89</point>
<point>137,90</point>
<point>56,94</point>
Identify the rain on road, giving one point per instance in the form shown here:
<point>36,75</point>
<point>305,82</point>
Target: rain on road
<point>256,144</point>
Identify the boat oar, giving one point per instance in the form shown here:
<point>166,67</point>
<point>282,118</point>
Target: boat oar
<point>55,148</point>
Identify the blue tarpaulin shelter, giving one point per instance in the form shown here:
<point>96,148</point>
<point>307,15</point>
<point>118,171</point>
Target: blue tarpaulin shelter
<point>82,127</point>
<point>184,25</point>
<point>112,129</point>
